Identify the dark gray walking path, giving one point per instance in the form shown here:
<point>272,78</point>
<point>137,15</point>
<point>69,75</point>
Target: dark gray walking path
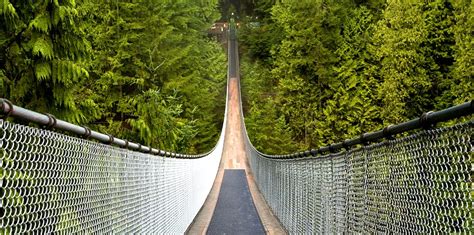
<point>235,211</point>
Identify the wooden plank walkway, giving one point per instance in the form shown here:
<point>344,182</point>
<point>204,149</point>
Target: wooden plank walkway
<point>234,156</point>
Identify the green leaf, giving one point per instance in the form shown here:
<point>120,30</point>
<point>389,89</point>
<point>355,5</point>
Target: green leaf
<point>44,47</point>
<point>352,82</point>
<point>41,22</point>
<point>43,71</point>
<point>6,8</point>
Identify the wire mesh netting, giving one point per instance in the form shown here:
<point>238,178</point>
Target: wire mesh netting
<point>417,184</point>
<point>54,183</point>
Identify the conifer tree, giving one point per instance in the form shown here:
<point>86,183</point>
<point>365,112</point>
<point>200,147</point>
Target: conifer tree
<point>347,67</point>
<point>161,73</point>
<point>460,88</point>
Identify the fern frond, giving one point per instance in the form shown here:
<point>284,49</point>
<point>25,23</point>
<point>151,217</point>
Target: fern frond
<point>43,71</point>
<point>7,9</point>
<point>84,73</point>
<point>41,22</point>
<point>67,72</point>
<point>44,47</point>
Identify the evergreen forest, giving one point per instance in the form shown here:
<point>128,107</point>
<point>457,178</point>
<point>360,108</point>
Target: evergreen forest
<point>314,72</point>
<point>317,72</point>
<point>141,70</point>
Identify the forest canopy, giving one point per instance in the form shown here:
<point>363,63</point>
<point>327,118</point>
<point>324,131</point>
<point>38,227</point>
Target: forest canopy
<point>141,70</point>
<point>314,72</point>
<point>317,72</point>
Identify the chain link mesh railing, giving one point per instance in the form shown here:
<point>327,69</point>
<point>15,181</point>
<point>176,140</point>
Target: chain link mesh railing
<point>422,183</point>
<point>54,183</point>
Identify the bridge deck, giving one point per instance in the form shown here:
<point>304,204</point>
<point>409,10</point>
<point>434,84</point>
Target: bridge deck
<point>234,156</point>
<point>235,211</point>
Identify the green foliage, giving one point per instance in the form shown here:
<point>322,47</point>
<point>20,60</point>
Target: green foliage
<point>267,128</point>
<point>316,71</point>
<point>414,46</point>
<point>258,40</point>
<point>342,68</point>
<point>154,61</point>
<point>460,89</point>
<point>43,48</point>
<point>141,70</point>
<point>159,122</point>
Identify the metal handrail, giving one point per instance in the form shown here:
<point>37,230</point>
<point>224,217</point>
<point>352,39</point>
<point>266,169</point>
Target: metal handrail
<point>426,121</point>
<point>48,120</point>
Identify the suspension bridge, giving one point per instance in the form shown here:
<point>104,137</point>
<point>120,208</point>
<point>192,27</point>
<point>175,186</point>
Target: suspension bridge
<point>413,177</point>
